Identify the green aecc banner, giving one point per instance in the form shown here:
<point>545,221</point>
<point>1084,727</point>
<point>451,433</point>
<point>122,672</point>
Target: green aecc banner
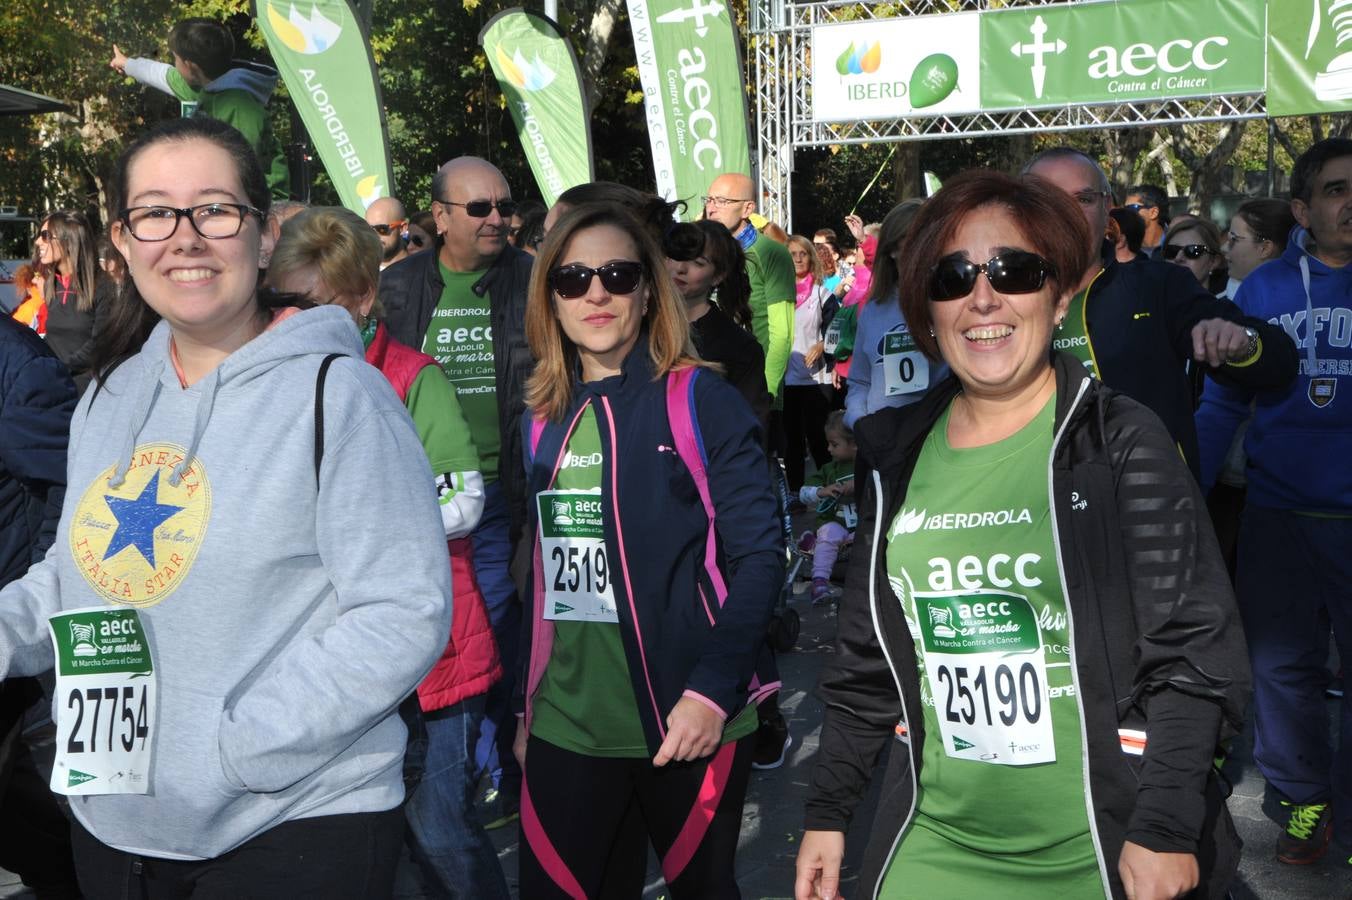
<point>691,67</point>
<point>538,74</point>
<point>324,56</point>
<point>1095,53</point>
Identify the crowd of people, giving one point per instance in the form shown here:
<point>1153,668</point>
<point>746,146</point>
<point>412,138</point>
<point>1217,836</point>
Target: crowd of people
<point>332,542</point>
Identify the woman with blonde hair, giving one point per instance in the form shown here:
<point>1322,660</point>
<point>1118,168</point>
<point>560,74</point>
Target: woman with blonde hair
<point>656,563</point>
<point>808,392</point>
<point>331,255</point>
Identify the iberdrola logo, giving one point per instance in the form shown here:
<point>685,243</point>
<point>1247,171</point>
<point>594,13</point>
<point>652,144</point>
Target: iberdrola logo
<point>860,60</point>
<point>525,75</point>
<point>369,190</point>
<point>309,36</point>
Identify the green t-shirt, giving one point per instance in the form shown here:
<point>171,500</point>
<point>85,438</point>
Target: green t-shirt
<point>1072,335</point>
<point>460,338</point>
<point>972,559</point>
<point>440,424</point>
<point>585,702</point>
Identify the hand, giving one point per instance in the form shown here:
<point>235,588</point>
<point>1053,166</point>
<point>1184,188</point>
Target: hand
<point>818,866</point>
<point>1147,875</point>
<point>836,381</point>
<point>693,731</point>
<point>119,60</point>
<point>1216,341</point>
<point>856,226</point>
<point>814,354</point>
<point>519,742</point>
<point>831,490</point>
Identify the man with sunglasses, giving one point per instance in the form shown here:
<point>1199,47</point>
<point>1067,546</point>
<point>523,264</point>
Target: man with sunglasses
<point>1151,203</point>
<point>463,302</point>
<point>1135,326</point>
<point>389,219</point>
<point>1293,568</point>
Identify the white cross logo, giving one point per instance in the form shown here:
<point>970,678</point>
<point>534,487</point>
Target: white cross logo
<point>697,11</point>
<point>1039,49</point>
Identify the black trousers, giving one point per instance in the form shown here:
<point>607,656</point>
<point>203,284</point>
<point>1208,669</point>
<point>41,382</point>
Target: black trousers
<point>805,411</point>
<point>347,856</point>
<point>585,823</point>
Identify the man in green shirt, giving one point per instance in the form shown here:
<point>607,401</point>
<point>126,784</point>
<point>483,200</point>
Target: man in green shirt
<point>465,306</point>
<point>233,91</point>
<point>731,202</point>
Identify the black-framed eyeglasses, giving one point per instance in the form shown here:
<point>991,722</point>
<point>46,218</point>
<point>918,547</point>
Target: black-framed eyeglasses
<point>479,209</point>
<point>1011,272</point>
<point>572,281</point>
<point>210,220</point>
<point>1191,251</point>
<point>385,230</point>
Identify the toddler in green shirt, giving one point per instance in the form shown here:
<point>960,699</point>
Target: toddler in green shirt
<point>831,490</point>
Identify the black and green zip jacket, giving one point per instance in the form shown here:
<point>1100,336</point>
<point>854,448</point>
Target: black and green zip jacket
<point>1155,637</point>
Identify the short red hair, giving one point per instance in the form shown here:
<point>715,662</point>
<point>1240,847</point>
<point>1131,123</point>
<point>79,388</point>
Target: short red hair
<point>1050,219</point>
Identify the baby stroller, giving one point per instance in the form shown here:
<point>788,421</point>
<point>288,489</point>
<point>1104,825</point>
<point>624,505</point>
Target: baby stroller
<point>784,621</point>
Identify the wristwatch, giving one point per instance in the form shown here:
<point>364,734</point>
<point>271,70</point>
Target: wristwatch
<point>1250,349</point>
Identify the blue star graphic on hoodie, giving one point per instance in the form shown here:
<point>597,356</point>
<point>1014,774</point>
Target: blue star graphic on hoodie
<point>137,520</point>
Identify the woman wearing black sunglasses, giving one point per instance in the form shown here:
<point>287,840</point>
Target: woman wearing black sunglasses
<point>646,619</point>
<point>1048,618</point>
<point>1195,244</point>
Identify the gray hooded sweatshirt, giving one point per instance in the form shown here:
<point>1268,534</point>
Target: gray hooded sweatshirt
<point>286,620</point>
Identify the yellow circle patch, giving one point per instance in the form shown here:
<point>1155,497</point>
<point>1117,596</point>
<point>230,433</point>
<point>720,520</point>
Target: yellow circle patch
<point>135,543</point>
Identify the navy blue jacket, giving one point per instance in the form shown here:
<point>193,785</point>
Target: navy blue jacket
<point>678,641</point>
<point>37,398</point>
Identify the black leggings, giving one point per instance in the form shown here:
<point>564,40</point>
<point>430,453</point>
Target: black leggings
<point>345,856</point>
<point>585,821</point>
<point>805,409</point>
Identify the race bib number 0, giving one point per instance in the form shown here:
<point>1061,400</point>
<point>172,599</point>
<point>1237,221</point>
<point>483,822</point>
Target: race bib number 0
<point>573,551</point>
<point>105,702</point>
<point>988,676</point>
<point>905,368</point>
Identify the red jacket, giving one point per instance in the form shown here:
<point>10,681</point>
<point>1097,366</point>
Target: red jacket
<point>469,665</point>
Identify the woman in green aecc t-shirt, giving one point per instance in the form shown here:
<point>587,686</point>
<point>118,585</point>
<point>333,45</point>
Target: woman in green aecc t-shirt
<point>1049,634</point>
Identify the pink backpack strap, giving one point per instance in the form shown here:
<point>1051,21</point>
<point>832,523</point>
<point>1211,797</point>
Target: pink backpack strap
<point>537,428</point>
<point>690,448</point>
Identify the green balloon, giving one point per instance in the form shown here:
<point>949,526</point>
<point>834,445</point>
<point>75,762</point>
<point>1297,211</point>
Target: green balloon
<point>934,78</point>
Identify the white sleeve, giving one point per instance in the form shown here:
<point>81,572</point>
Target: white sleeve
<point>150,73</point>
<point>461,496</point>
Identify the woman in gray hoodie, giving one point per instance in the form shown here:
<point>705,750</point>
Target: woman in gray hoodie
<point>231,635</point>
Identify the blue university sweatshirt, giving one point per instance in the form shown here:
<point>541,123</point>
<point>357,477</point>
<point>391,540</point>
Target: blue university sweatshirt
<point>1301,438</point>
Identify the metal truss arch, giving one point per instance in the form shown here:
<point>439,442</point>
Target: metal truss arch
<point>781,46</point>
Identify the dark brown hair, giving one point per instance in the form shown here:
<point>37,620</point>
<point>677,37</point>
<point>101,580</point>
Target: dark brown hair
<point>1050,221</point>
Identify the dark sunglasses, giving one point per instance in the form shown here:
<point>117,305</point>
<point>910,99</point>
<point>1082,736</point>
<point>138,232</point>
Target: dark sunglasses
<point>45,235</point>
<point>1011,272</point>
<point>415,239</point>
<point>479,209</point>
<point>392,228</point>
<point>571,282</point>
<point>1191,251</point>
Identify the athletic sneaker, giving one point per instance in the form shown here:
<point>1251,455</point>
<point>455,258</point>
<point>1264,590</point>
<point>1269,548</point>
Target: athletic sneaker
<point>824,591</point>
<point>497,809</point>
<point>1307,833</point>
<point>772,744</point>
